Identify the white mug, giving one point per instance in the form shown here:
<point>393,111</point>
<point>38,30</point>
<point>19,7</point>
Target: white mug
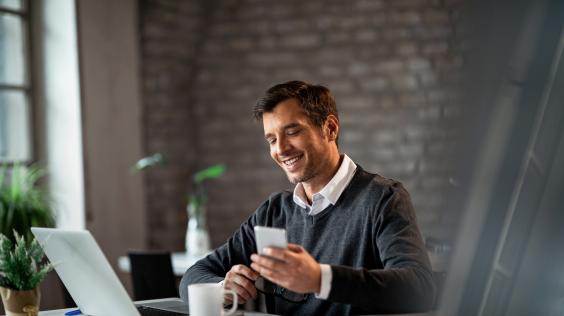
<point>206,299</point>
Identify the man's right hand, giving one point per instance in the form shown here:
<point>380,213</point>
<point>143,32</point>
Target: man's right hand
<point>241,279</point>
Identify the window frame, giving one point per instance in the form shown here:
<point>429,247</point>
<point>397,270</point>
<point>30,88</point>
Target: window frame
<point>28,83</point>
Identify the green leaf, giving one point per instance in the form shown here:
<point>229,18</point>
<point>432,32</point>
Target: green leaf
<point>3,170</point>
<point>209,173</point>
<point>20,267</point>
<point>154,160</point>
<point>22,202</point>
<point>16,185</point>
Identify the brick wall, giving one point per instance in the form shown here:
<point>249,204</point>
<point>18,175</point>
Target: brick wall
<point>169,40</point>
<point>389,63</point>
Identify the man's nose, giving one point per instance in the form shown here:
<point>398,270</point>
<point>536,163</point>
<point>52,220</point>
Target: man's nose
<point>282,146</point>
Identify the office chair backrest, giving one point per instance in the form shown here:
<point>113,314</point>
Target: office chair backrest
<point>152,276</point>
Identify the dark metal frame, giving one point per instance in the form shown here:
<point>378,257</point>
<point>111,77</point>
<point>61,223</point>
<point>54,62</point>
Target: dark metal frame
<point>27,86</point>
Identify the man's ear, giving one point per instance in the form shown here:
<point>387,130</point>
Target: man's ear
<point>332,127</point>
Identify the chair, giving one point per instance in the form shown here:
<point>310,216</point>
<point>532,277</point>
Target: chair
<point>439,279</point>
<point>67,298</point>
<point>152,275</point>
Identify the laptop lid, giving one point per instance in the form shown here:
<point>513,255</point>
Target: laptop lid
<point>85,272</point>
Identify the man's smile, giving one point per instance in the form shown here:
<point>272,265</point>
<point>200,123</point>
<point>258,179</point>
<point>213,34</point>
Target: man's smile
<point>290,163</point>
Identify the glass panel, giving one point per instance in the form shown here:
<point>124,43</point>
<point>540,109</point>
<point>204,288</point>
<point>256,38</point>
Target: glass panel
<point>12,56</point>
<point>11,4</point>
<point>14,126</point>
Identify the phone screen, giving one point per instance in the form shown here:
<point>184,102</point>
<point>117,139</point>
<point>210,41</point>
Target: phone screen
<point>270,237</point>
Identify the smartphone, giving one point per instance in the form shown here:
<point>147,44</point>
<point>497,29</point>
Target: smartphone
<point>270,237</point>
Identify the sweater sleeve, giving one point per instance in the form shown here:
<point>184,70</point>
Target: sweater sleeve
<point>214,267</point>
<point>405,283</point>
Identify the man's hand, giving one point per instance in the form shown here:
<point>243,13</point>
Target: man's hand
<point>241,279</point>
<point>293,268</point>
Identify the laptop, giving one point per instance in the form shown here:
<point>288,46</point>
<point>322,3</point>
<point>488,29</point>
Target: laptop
<point>89,278</point>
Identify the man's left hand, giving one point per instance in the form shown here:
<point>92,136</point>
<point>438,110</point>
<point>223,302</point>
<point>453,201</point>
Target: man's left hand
<point>292,268</point>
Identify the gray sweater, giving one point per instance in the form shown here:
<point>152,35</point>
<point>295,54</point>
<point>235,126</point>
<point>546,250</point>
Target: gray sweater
<point>369,237</point>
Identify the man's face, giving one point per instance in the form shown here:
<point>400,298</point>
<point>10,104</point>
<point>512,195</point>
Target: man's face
<point>296,145</point>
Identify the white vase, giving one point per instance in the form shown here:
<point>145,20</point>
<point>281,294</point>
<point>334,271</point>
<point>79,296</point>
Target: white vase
<point>197,239</point>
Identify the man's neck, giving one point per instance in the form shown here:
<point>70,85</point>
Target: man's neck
<point>316,185</point>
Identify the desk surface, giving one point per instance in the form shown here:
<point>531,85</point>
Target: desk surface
<point>61,312</point>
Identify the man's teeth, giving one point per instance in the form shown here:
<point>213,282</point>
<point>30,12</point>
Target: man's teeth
<point>292,161</point>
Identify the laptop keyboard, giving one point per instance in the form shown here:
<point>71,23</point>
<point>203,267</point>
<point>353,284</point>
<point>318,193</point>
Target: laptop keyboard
<point>149,311</point>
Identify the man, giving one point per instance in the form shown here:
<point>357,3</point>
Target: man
<point>354,244</point>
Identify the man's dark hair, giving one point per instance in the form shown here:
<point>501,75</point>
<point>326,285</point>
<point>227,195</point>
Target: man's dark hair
<point>316,100</point>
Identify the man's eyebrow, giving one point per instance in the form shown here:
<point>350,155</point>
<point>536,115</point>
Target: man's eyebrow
<point>286,127</point>
<point>291,125</point>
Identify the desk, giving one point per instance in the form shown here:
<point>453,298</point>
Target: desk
<point>181,261</point>
<point>61,312</point>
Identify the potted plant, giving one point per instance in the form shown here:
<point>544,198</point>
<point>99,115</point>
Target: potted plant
<point>21,271</point>
<point>23,203</point>
<point>197,236</point>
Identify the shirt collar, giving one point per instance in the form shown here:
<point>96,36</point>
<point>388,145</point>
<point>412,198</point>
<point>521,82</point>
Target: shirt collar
<point>333,189</point>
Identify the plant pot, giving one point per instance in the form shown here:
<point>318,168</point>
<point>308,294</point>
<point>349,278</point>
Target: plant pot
<point>197,239</point>
<point>20,303</point>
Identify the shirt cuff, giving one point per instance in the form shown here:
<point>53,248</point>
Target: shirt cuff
<point>326,278</point>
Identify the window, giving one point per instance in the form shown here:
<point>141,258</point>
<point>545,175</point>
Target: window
<point>15,88</point>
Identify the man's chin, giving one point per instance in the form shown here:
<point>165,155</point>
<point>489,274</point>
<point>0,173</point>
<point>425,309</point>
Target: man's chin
<point>295,179</point>
<point>292,179</point>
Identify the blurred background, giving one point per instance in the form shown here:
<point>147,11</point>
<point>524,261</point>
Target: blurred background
<point>460,100</point>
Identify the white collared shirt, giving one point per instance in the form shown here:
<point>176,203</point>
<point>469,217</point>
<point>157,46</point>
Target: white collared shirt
<point>329,195</point>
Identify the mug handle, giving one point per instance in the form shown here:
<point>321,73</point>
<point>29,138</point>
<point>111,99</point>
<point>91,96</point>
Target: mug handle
<point>233,308</point>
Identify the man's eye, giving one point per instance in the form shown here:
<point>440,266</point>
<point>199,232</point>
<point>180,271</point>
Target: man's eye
<point>293,131</point>
<point>271,141</point>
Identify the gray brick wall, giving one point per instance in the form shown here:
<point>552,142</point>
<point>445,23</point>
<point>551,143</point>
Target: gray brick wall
<point>390,64</point>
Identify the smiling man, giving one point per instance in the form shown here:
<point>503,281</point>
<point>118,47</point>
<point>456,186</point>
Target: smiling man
<point>354,243</point>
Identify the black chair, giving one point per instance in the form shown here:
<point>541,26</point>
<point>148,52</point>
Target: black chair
<point>152,275</point>
<point>67,298</point>
<point>439,279</point>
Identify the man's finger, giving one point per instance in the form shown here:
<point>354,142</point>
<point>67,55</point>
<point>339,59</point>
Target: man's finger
<point>241,291</point>
<point>250,274</point>
<point>295,248</point>
<point>264,271</point>
<point>228,299</point>
<point>246,284</point>
<point>280,254</point>
<point>267,262</point>
<point>272,276</point>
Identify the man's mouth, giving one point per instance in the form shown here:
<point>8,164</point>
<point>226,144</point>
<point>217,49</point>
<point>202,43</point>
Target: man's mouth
<point>292,161</point>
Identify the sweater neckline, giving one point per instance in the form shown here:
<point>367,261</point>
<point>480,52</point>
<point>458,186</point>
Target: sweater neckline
<point>313,219</point>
